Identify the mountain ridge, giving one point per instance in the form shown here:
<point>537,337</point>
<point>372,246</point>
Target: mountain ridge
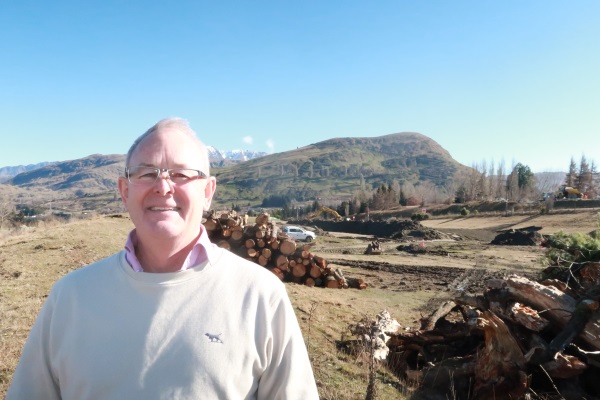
<point>335,168</point>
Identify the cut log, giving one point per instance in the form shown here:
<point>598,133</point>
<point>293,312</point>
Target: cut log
<point>287,247</point>
<point>237,235</point>
<point>331,282</point>
<point>356,283</point>
<point>299,270</point>
<point>266,252</point>
<point>320,261</point>
<point>315,271</point>
<point>280,259</point>
<point>253,253</point>
<point>211,224</point>
<point>262,260</point>
<point>262,219</point>
<point>339,276</point>
<point>284,267</point>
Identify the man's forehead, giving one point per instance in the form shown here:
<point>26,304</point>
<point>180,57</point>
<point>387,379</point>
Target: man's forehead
<point>168,138</point>
<point>179,146</point>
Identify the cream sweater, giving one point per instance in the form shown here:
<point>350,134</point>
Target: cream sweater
<point>222,330</point>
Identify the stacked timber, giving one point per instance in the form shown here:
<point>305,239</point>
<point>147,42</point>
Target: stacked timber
<point>264,244</point>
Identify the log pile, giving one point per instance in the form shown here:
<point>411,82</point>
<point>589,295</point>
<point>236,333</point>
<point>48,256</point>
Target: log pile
<point>264,244</point>
<point>520,339</point>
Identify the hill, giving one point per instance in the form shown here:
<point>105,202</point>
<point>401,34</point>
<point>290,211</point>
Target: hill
<point>333,169</point>
<point>8,172</point>
<point>336,169</point>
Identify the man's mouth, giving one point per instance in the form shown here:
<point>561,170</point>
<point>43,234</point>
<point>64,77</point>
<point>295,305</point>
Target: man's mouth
<point>164,208</point>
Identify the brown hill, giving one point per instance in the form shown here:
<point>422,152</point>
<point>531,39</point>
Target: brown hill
<point>338,168</point>
<point>335,168</point>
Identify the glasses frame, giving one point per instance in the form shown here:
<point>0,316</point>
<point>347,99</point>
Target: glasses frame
<point>159,172</point>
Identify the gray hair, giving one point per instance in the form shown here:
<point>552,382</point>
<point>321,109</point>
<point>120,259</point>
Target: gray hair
<point>181,125</point>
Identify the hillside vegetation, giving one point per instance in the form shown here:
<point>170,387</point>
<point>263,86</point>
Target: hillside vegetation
<point>338,168</point>
<point>333,169</point>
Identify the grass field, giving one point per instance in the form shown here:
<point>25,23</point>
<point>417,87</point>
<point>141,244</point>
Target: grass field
<point>33,259</point>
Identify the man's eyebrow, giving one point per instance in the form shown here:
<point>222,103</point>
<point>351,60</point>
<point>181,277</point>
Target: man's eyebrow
<point>145,165</point>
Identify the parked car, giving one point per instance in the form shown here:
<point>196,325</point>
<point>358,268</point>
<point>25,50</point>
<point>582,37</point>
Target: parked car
<point>297,233</point>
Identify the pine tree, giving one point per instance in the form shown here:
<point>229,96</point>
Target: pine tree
<point>402,200</point>
<point>595,185</point>
<point>584,178</point>
<point>571,178</point>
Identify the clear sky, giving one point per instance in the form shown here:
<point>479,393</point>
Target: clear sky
<point>508,80</point>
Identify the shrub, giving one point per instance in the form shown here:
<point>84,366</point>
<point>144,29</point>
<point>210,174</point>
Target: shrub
<point>464,211</point>
<point>419,216</point>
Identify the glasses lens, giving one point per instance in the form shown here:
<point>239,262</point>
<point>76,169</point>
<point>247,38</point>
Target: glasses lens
<point>142,175</point>
<point>182,175</point>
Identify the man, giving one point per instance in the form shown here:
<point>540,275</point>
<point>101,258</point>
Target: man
<point>172,316</point>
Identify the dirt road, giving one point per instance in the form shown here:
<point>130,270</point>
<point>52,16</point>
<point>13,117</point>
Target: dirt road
<point>448,267</point>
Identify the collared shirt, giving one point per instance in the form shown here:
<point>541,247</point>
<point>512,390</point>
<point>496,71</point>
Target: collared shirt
<point>200,252</point>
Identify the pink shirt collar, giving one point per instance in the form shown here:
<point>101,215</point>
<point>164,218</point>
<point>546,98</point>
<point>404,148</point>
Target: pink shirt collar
<point>201,251</point>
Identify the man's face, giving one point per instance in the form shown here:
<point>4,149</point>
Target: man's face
<point>164,210</point>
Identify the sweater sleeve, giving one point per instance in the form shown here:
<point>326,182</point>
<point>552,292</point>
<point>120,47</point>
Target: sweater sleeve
<point>289,374</point>
<point>33,378</point>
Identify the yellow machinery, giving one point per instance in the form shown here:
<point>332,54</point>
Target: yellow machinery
<point>327,211</point>
<point>567,192</point>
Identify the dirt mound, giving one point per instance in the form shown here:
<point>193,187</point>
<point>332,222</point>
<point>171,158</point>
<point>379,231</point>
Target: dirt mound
<point>398,229</point>
<point>420,248</point>
<point>520,237</point>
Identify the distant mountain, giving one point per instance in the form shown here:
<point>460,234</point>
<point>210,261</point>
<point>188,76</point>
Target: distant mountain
<point>8,172</point>
<point>220,158</point>
<point>92,174</point>
<point>334,169</point>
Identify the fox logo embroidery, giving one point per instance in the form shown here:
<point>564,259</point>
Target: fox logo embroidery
<point>213,338</point>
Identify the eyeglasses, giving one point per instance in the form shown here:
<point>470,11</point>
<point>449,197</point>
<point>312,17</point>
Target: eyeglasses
<point>142,175</point>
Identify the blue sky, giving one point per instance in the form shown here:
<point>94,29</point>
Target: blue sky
<point>508,80</point>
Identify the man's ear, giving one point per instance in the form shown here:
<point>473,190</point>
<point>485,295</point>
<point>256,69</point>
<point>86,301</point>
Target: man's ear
<point>209,191</point>
<point>123,189</point>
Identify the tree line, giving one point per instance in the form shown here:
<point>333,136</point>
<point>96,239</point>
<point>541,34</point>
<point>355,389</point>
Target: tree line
<point>484,182</point>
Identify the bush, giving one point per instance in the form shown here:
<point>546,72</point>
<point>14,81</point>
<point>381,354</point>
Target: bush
<point>464,211</point>
<point>419,216</point>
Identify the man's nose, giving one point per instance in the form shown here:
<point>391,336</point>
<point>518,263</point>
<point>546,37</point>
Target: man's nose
<point>163,183</point>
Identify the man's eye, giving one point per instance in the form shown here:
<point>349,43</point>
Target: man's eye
<point>145,174</point>
<point>179,175</point>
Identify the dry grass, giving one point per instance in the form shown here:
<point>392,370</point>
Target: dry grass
<point>31,260</point>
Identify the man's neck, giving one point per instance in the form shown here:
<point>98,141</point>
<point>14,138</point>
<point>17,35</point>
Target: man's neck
<point>162,256</point>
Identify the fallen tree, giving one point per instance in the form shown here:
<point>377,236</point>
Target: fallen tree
<point>518,339</point>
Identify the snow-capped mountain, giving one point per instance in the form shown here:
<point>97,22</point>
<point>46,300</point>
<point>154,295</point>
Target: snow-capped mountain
<point>218,158</point>
<point>217,155</point>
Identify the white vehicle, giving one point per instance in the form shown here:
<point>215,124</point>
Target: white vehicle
<point>297,233</point>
